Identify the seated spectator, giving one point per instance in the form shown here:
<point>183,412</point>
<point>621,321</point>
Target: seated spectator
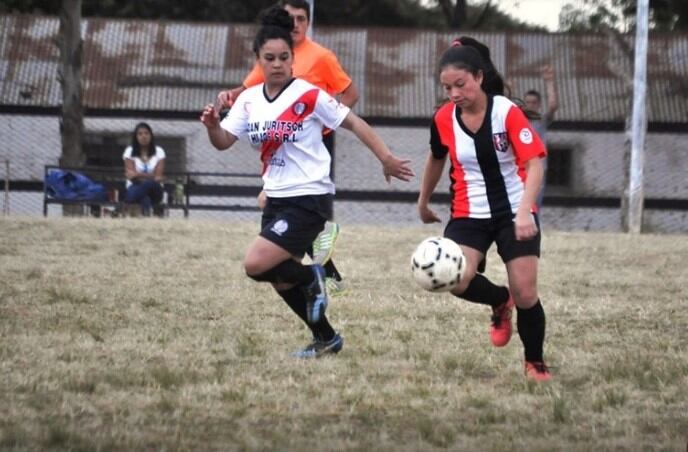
<point>144,167</point>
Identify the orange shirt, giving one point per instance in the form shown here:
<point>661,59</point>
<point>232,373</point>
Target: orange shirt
<point>314,64</point>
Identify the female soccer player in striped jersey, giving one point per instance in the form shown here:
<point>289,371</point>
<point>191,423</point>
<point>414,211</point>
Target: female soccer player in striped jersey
<point>495,177</point>
<point>284,119</point>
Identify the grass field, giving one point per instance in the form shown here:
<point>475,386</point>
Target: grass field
<point>146,335</point>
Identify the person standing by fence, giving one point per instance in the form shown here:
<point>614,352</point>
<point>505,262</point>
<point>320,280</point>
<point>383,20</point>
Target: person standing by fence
<point>496,173</point>
<point>284,118</point>
<point>540,121</point>
<point>319,66</point>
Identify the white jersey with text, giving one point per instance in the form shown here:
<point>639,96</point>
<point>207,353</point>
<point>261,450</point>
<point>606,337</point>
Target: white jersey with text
<point>288,132</point>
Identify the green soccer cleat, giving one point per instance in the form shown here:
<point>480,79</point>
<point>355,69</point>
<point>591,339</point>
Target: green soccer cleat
<point>323,245</point>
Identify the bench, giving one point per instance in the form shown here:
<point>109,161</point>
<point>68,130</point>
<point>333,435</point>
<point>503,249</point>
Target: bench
<point>189,190</point>
<point>175,186</point>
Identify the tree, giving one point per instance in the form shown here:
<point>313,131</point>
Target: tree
<point>435,14</point>
<point>596,15</point>
<point>69,75</point>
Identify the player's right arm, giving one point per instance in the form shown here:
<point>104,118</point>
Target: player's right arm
<point>434,166</point>
<point>218,136</point>
<point>432,172</point>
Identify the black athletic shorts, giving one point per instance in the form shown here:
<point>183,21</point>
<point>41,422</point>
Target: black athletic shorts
<point>481,233</point>
<point>293,223</point>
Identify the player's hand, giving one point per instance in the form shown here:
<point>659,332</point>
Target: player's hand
<point>210,117</point>
<point>547,73</point>
<point>524,226</point>
<point>394,167</point>
<point>226,98</point>
<point>262,199</point>
<point>427,216</point>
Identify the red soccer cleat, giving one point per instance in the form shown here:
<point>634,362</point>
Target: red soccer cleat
<point>537,371</point>
<point>500,329</point>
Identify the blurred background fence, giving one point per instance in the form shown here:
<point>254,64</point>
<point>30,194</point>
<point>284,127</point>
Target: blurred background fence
<point>164,72</point>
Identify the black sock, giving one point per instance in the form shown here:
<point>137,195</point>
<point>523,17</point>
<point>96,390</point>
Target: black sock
<point>294,297</point>
<point>331,271</point>
<point>288,271</point>
<point>531,329</point>
<point>481,290</point>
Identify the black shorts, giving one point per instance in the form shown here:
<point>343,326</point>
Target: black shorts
<point>481,233</point>
<point>293,223</point>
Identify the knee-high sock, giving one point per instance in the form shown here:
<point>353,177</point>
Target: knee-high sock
<point>331,271</point>
<point>481,290</point>
<point>296,300</point>
<point>288,271</point>
<point>531,329</point>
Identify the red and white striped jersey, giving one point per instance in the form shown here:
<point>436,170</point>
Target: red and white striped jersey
<point>288,132</point>
<point>487,167</point>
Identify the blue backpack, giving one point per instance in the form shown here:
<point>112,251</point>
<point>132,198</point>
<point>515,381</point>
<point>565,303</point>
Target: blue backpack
<point>73,186</point>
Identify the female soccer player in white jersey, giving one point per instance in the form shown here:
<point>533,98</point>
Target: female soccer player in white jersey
<point>495,177</point>
<point>284,118</point>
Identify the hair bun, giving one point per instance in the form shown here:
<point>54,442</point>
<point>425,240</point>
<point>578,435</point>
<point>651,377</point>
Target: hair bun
<point>277,16</point>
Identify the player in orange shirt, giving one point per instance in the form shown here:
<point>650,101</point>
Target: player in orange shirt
<point>319,66</point>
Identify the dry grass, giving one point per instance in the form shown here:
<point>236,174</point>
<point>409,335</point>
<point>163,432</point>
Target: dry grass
<point>145,335</point>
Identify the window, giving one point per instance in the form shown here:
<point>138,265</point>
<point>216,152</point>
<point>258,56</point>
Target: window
<point>559,167</point>
<point>105,150</point>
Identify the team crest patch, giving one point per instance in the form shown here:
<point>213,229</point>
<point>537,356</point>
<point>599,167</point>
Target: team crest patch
<point>280,227</point>
<point>299,108</point>
<point>500,141</point>
<point>526,136</point>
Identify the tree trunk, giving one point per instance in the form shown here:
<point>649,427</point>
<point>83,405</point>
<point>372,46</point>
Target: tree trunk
<point>69,76</point>
<point>72,120</point>
<point>456,14</point>
<point>460,12</point>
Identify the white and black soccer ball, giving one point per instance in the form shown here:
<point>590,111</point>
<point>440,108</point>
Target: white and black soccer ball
<point>438,264</point>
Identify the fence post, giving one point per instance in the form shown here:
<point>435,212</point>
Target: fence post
<point>6,206</point>
<point>639,122</point>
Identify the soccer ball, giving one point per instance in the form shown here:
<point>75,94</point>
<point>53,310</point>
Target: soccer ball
<point>438,264</point>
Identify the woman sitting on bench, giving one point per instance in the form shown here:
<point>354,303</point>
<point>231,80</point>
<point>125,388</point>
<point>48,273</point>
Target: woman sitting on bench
<point>144,166</point>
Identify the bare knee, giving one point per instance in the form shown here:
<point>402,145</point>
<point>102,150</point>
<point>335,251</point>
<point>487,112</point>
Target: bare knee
<point>253,266</point>
<point>524,296</point>
<point>464,283</point>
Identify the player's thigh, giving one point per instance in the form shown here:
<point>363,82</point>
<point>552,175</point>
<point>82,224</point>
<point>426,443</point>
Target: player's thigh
<point>291,227</point>
<point>473,235</point>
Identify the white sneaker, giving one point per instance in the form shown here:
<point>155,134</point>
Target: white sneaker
<point>323,245</point>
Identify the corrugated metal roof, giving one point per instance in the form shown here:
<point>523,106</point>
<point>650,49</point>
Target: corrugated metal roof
<point>159,65</point>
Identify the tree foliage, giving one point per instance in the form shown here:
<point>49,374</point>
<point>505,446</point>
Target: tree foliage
<point>596,15</point>
<point>436,14</point>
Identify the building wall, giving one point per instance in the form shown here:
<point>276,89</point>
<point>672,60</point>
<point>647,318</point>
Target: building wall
<point>30,142</point>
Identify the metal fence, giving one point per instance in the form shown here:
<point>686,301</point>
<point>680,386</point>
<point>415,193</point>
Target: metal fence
<point>585,178</point>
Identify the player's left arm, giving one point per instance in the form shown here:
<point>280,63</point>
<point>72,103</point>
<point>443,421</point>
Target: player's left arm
<point>392,166</point>
<point>528,149</point>
<point>524,224</point>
